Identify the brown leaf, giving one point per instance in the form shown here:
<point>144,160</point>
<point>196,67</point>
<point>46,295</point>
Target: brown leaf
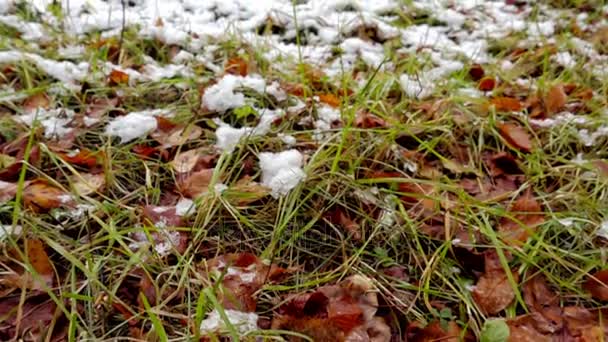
<point>506,104</point>
<point>339,216</point>
<point>39,100</point>
<point>493,291</point>
<point>85,184</point>
<point>196,183</point>
<point>118,77</point>
<point>434,332</point>
<point>597,285</point>
<point>246,191</point>
<point>528,215</point>
<point>476,72</point>
<point>83,157</point>
<point>555,99</point>
<point>192,160</point>
<point>160,215</point>
<point>37,257</point>
<point>7,191</point>
<point>236,66</point>
<point>176,136</point>
<point>368,120</point>
<point>16,149</point>
<point>515,135</point>
<point>31,321</point>
<point>487,84</point>
<point>601,166</point>
<point>40,196</point>
<point>522,329</point>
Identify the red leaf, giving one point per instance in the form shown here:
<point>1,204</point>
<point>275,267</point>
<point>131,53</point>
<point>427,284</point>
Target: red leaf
<point>487,84</point>
<point>366,119</point>
<point>84,157</point>
<point>515,135</point>
<point>597,285</point>
<point>476,72</point>
<point>329,99</point>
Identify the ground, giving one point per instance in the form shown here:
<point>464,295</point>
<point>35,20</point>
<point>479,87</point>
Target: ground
<point>309,170</point>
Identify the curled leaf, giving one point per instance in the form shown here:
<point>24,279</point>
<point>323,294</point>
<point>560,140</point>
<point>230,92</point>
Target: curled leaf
<point>515,135</point>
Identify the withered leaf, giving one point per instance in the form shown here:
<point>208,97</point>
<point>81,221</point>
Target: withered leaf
<point>506,104</point>
<point>528,215</point>
<point>40,196</point>
<point>597,285</point>
<point>515,135</point>
<point>236,66</point>
<point>196,183</point>
<point>176,136</point>
<point>493,291</point>
<point>487,84</point>
<point>39,100</point>
<point>555,99</point>
<point>329,99</point>
<point>85,184</point>
<point>118,77</point>
<point>434,331</point>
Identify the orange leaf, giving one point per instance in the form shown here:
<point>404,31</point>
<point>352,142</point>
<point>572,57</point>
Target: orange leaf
<point>40,196</point>
<point>487,84</point>
<point>506,104</point>
<point>118,77</point>
<point>197,183</point>
<point>329,99</point>
<point>597,285</point>
<point>555,99</point>
<point>515,135</point>
<point>493,291</point>
<point>84,157</point>
<point>236,66</point>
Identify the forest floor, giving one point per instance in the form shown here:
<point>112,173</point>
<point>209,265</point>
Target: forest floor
<point>306,171</point>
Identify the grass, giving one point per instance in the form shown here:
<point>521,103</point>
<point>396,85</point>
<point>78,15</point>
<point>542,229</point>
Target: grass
<point>98,275</point>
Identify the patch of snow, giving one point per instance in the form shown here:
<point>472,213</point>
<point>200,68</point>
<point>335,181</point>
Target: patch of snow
<point>603,230</point>
<point>6,230</point>
<point>243,322</point>
<point>228,137</point>
<point>185,207</point>
<point>220,187</point>
<point>590,138</point>
<point>224,95</point>
<point>281,171</point>
<point>290,140</point>
<point>56,122</point>
<point>564,59</point>
<point>131,126</point>
<point>71,51</point>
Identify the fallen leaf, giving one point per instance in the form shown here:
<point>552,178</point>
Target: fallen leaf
<point>38,259</point>
<point>246,191</point>
<point>176,136</point>
<point>527,216</point>
<point>601,166</point>
<point>506,104</point>
<point>597,285</point>
<point>35,320</point>
<point>40,196</point>
<point>329,99</point>
<point>196,183</point>
<point>192,160</point>
<point>555,99</point>
<point>39,100</point>
<point>85,184</point>
<point>493,291</point>
<point>339,216</point>
<point>7,191</point>
<point>16,150</point>
<point>501,163</point>
<point>487,84</point>
<point>342,312</point>
<point>522,329</point>
<point>236,66</point>
<point>368,120</point>
<point>434,331</point>
<point>476,72</point>
<point>161,216</point>
<point>83,157</point>
<point>515,135</point>
<point>118,77</point>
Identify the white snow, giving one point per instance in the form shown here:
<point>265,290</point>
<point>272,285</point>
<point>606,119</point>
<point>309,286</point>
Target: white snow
<point>228,137</point>
<point>56,122</point>
<point>224,95</point>
<point>603,230</point>
<point>243,322</point>
<point>281,171</point>
<point>131,126</point>
<point>185,207</point>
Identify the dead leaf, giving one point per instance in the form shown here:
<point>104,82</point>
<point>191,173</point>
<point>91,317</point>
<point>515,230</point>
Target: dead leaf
<point>368,120</point>
<point>493,291</point>
<point>192,160</point>
<point>339,216</point>
<point>597,285</point>
<point>515,135</point>
<point>522,329</point>
<point>476,72</point>
<point>7,191</point>
<point>527,216</point>
<point>329,99</point>
<point>506,104</point>
<point>16,150</point>
<point>196,183</point>
<point>32,322</point>
<point>487,84</point>
<point>343,312</point>
<point>246,191</point>
<point>39,100</point>
<point>161,216</point>
<point>118,77</point>
<point>434,331</point>
<point>236,66</point>
<point>176,136</point>
<point>40,196</point>
<point>83,157</point>
<point>555,99</point>
<point>38,259</point>
<point>601,166</point>
<point>85,184</point>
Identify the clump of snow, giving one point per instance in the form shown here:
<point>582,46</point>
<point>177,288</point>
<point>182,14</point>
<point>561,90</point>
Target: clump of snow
<point>163,240</point>
<point>220,187</point>
<point>228,137</point>
<point>281,171</point>
<point>243,322</point>
<point>184,207</point>
<point>590,138</point>
<point>224,95</point>
<point>290,140</point>
<point>564,59</point>
<point>6,230</point>
<point>135,124</point>
<point>56,122</point>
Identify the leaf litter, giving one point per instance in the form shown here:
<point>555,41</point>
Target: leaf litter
<point>270,165</point>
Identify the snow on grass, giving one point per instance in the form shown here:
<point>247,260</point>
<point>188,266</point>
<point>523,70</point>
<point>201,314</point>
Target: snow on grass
<point>56,122</point>
<point>243,322</point>
<point>135,124</point>
<point>281,171</point>
<point>226,94</point>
